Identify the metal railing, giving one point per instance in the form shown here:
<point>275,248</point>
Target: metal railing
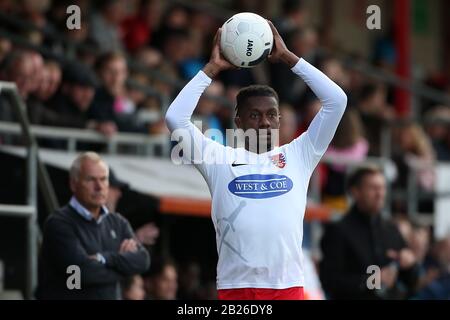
<point>144,144</point>
<point>34,168</point>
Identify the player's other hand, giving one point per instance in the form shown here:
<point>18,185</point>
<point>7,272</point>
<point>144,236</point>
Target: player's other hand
<point>280,52</point>
<point>217,61</point>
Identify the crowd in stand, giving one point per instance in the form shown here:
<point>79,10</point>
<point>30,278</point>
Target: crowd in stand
<point>84,81</point>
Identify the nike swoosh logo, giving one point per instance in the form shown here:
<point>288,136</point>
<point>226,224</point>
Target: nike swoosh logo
<point>238,164</point>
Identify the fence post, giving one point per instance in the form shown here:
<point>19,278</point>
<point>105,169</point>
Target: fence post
<point>31,221</point>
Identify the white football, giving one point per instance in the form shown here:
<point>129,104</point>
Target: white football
<point>246,39</point>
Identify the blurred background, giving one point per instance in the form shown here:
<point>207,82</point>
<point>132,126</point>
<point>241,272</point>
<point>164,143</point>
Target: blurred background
<point>106,87</point>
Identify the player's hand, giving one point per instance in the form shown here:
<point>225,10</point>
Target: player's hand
<point>280,52</point>
<point>217,61</point>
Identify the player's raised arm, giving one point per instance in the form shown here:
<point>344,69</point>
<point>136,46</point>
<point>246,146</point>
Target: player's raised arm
<point>331,96</point>
<point>180,111</point>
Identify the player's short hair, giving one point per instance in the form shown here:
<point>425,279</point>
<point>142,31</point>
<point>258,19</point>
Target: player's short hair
<point>257,90</point>
<point>357,176</point>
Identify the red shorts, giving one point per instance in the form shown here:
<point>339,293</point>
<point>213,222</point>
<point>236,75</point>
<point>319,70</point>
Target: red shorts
<point>294,293</point>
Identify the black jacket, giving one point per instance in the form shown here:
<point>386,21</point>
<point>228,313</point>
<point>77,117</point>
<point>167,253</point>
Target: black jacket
<point>69,239</point>
<point>60,112</point>
<point>102,110</point>
<point>353,244</point>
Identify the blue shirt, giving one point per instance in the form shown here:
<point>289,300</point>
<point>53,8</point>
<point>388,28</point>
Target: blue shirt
<point>85,213</point>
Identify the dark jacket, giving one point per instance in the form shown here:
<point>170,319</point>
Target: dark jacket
<point>69,239</point>
<point>353,244</point>
<point>59,113</point>
<point>74,117</point>
<point>102,107</point>
<point>102,110</point>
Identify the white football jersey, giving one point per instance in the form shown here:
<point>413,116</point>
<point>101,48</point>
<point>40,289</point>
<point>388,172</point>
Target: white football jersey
<point>259,200</point>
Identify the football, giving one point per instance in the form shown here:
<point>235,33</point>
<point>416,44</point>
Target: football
<point>246,39</point>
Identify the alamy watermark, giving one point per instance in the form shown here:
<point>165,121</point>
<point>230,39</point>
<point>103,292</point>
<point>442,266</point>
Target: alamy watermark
<point>373,21</point>
<point>374,280</point>
<point>74,19</point>
<point>193,148</point>
<point>74,279</point>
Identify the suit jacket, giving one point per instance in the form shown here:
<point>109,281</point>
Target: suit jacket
<point>353,244</point>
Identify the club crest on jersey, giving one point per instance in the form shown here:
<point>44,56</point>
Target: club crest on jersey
<point>279,160</point>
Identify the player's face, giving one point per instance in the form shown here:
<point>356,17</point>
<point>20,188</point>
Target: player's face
<point>260,113</point>
<point>91,186</point>
<point>371,194</point>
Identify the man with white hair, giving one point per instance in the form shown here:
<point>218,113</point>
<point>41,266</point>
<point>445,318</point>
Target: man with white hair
<point>84,236</point>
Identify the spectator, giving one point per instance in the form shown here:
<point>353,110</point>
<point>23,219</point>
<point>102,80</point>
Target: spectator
<point>52,76</point>
<point>208,107</point>
<point>420,245</point>
<point>162,280</point>
<point>115,191</point>
<point>362,239</point>
<point>137,30</point>
<point>347,145</point>
<point>375,114</point>
<point>288,124</point>
<point>5,48</point>
<point>416,153</point>
<point>18,68</point>
<point>34,12</point>
<point>438,273</point>
<point>147,233</point>
<point>439,131</point>
<point>310,105</point>
<point>334,69</point>
<point>290,88</point>
<point>8,6</point>
<point>38,70</point>
<point>111,105</point>
<point>440,255</point>
<point>190,281</point>
<point>105,25</point>
<point>69,108</point>
<point>418,239</point>
<point>149,57</point>
<point>85,234</point>
<point>293,16</point>
<point>133,288</point>
<point>176,47</point>
<point>176,17</point>
<point>136,96</point>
